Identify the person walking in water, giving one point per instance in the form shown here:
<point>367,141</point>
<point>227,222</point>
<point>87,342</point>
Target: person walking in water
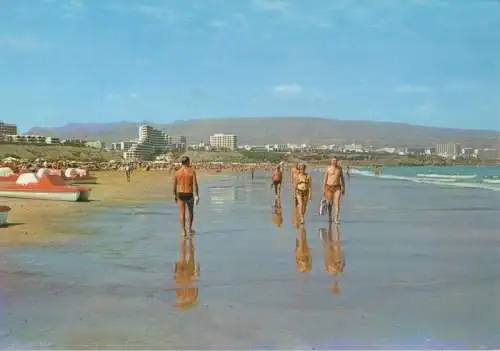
<point>185,188</point>
<point>276,180</point>
<point>303,192</point>
<point>334,188</point>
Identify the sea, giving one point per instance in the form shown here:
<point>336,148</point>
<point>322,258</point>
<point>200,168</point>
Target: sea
<point>480,177</point>
<point>417,254</point>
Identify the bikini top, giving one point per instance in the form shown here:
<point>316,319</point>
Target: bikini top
<point>302,183</point>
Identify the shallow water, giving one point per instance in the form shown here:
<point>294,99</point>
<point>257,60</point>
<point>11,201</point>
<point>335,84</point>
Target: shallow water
<point>421,270</point>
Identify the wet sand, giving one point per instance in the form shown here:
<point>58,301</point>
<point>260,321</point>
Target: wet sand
<point>43,221</point>
<point>419,271</point>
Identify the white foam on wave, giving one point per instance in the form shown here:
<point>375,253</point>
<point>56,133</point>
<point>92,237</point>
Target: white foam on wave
<point>450,176</point>
<point>431,180</point>
<point>491,181</point>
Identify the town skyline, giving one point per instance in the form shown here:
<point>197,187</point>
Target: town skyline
<point>431,63</point>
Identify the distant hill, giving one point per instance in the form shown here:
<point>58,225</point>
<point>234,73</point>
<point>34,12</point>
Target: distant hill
<point>287,129</point>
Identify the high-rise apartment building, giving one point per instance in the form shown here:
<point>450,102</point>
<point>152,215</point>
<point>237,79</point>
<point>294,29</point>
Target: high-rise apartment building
<point>177,142</point>
<point>222,141</point>
<point>150,142</point>
<point>450,150</point>
<point>7,129</point>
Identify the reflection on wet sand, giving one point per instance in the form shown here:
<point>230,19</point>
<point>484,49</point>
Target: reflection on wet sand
<point>303,259</point>
<point>185,272</point>
<point>333,254</point>
<point>276,213</point>
<point>295,214</point>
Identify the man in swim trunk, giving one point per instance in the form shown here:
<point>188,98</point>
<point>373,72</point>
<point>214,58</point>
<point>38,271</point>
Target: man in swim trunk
<point>185,188</point>
<point>334,188</point>
<point>276,179</point>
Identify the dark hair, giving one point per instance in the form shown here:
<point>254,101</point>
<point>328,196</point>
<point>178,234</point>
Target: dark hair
<point>184,160</point>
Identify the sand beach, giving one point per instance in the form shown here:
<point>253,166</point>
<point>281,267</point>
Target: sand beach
<point>42,221</point>
<point>413,266</point>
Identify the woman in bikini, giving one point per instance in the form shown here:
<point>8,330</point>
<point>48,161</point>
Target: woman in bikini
<point>303,192</point>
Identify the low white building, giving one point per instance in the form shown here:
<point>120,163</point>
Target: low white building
<point>487,154</point>
<point>221,141</point>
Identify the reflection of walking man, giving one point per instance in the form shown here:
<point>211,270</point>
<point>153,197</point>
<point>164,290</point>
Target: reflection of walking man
<point>185,188</point>
<point>185,272</point>
<point>333,254</point>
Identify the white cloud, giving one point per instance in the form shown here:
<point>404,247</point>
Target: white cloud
<point>270,5</point>
<point>216,24</point>
<point>413,89</point>
<point>288,89</point>
<point>72,8</point>
<point>157,12</point>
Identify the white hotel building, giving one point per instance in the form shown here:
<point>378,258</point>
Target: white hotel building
<point>151,141</point>
<point>222,141</point>
<point>449,150</point>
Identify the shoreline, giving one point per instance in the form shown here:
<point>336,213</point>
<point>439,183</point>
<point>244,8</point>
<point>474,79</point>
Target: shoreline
<point>44,221</point>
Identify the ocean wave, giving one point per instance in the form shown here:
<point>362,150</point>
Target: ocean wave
<point>491,181</point>
<point>456,182</point>
<point>450,176</point>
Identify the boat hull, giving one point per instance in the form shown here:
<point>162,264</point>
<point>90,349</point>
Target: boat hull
<point>81,181</point>
<point>4,213</point>
<point>10,178</point>
<point>50,195</point>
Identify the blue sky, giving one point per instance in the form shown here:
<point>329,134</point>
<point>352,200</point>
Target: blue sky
<point>430,62</point>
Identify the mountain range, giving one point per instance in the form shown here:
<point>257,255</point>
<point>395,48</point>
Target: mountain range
<point>260,130</point>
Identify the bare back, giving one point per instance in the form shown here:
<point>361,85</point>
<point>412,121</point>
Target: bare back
<point>185,179</point>
<point>333,176</point>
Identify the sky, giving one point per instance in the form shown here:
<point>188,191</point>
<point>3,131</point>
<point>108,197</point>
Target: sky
<point>427,62</point>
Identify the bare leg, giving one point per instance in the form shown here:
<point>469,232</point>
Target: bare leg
<point>336,200</point>
<point>329,198</point>
<point>305,201</point>
<point>190,205</point>
<point>300,207</point>
<point>279,189</point>
<point>182,215</point>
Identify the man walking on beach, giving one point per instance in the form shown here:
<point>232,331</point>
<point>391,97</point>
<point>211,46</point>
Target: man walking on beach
<point>334,188</point>
<point>185,188</point>
<point>276,179</point>
<point>128,171</point>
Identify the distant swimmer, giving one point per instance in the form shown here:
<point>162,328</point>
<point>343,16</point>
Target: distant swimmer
<point>185,190</point>
<point>252,172</point>
<point>348,173</point>
<point>334,188</point>
<point>303,191</point>
<point>276,180</point>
